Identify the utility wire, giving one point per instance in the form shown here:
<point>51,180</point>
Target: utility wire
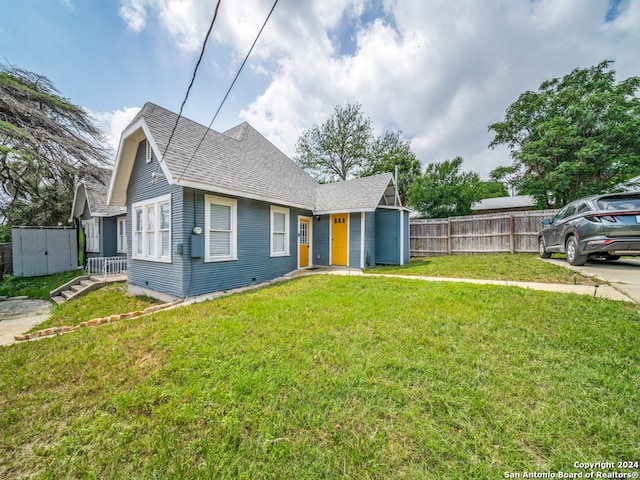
<point>229,90</point>
<point>193,78</point>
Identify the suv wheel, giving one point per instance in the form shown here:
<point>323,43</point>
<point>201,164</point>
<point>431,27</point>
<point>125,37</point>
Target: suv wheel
<point>572,252</point>
<point>542,250</point>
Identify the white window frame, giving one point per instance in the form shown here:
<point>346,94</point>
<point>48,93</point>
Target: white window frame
<point>143,236</point>
<point>121,223</point>
<point>233,232</point>
<point>287,232</point>
<point>92,234</point>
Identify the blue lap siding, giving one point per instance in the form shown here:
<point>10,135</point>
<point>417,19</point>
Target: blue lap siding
<point>321,240</point>
<point>354,240</point>
<point>186,276</point>
<point>255,263</point>
<point>370,239</point>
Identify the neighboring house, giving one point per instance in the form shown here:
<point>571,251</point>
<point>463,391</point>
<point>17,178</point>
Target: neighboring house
<point>223,210</point>
<point>503,204</point>
<point>104,226</point>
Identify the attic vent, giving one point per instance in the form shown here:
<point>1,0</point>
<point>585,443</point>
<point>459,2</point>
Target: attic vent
<point>149,153</point>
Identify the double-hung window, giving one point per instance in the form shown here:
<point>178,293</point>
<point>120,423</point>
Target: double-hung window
<point>279,231</point>
<point>122,235</point>
<point>152,229</point>
<point>92,234</point>
<point>220,223</point>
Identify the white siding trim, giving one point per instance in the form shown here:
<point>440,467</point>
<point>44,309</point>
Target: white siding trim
<point>237,193</point>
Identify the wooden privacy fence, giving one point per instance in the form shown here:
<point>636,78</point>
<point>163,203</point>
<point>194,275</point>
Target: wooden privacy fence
<point>512,232</point>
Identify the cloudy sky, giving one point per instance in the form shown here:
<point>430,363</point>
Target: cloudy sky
<point>440,71</point>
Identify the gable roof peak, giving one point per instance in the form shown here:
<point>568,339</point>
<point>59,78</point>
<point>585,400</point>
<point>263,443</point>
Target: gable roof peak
<point>238,132</point>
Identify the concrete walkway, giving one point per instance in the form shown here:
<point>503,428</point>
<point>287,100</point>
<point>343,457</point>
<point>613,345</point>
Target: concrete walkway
<point>603,291</point>
<point>19,314</point>
<point>623,275</point>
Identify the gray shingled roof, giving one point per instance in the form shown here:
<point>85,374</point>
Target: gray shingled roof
<point>357,194</point>
<point>519,201</point>
<point>241,162</point>
<point>96,194</point>
<point>240,159</point>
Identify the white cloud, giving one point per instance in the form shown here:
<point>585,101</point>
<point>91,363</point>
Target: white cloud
<point>113,123</point>
<point>134,13</point>
<point>441,71</point>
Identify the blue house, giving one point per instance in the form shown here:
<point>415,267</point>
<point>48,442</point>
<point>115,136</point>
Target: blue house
<point>214,211</point>
<point>104,226</point>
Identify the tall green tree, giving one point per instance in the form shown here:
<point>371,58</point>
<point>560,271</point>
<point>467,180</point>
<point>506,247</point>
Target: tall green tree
<point>45,140</point>
<point>388,152</point>
<point>338,148</point>
<point>575,136</point>
<point>444,190</point>
<point>345,147</point>
<point>508,176</point>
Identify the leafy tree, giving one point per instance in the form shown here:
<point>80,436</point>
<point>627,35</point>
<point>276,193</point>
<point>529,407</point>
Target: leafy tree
<point>390,151</point>
<point>490,189</point>
<point>344,147</point>
<point>575,136</point>
<point>444,190</point>
<point>45,140</point>
<point>338,148</point>
<point>509,177</point>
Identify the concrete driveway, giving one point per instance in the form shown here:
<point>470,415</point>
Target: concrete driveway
<point>19,314</point>
<point>623,275</point>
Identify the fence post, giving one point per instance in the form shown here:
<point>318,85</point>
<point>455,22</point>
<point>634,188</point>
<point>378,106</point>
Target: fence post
<point>511,234</point>
<point>449,235</point>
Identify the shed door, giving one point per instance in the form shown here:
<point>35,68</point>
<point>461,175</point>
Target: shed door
<point>339,239</point>
<point>388,237</point>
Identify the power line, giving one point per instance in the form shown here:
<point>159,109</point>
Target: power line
<point>229,90</point>
<point>193,78</point>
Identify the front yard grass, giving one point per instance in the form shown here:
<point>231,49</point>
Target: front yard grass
<point>35,287</point>
<point>108,300</point>
<point>513,267</point>
<point>331,377</point>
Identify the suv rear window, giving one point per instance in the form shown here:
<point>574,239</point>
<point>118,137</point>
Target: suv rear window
<point>620,203</point>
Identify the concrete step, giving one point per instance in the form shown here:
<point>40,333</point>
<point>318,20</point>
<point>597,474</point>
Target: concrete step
<point>86,283</point>
<point>77,288</point>
<point>58,299</point>
<point>67,294</point>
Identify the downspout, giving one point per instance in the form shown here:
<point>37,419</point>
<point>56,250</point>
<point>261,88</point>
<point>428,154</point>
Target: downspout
<point>401,237</point>
<point>362,233</point>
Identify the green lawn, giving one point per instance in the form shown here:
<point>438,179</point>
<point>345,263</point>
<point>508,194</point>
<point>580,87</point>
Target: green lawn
<point>108,300</point>
<point>514,267</point>
<point>35,287</point>
<point>331,377</point>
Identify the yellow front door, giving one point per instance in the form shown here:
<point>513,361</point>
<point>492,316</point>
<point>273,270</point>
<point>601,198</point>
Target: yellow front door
<point>303,241</point>
<point>339,232</point>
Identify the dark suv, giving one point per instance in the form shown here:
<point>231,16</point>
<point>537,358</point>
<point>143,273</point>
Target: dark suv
<point>601,226</point>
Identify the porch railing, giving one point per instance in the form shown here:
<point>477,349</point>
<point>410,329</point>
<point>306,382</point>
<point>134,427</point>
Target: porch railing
<point>106,266</point>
